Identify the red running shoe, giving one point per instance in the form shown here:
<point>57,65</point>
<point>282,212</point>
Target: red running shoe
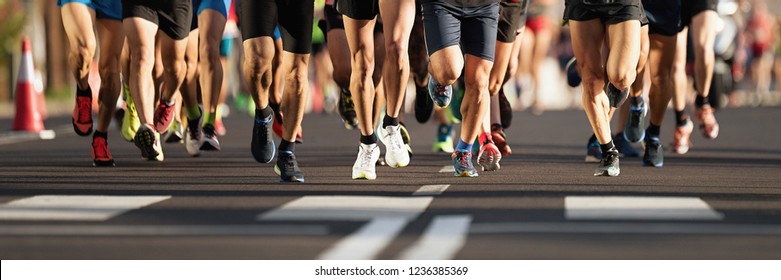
<point>101,155</point>
<point>82,115</point>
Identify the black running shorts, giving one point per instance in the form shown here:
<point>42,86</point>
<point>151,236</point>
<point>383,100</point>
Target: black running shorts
<point>690,8</point>
<point>664,16</point>
<point>607,11</point>
<point>474,28</point>
<point>333,20</point>
<point>259,17</point>
<point>173,17</point>
<point>512,15</point>
<point>358,9</point>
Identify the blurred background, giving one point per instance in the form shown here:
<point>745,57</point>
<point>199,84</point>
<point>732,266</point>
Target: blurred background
<point>742,77</point>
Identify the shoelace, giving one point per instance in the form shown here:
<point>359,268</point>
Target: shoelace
<point>162,117</point>
<point>440,89</point>
<point>84,112</point>
<point>609,158</point>
<point>193,132</point>
<point>101,149</point>
<point>289,162</point>
<point>394,140</point>
<point>366,159</point>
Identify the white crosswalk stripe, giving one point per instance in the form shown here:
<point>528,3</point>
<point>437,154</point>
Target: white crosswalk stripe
<point>74,207</point>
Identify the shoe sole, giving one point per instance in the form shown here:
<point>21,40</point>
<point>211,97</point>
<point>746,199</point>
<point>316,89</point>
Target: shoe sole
<point>465,174</point>
<point>608,172</point>
<point>174,138</point>
<point>209,146</point>
<point>288,180</point>
<point>78,130</point>
<point>651,164</point>
<point>364,176</point>
<point>146,145</point>
<point>488,163</point>
<point>103,163</point>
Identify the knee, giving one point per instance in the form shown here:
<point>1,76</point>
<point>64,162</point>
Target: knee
<point>298,75</point>
<point>661,78</point>
<point>444,75</point>
<point>396,53</point>
<point>176,68</point>
<point>144,59</point>
<point>209,54</point>
<point>363,64</point>
<point>621,79</point>
<point>258,72</point>
<point>593,77</point>
<point>84,51</point>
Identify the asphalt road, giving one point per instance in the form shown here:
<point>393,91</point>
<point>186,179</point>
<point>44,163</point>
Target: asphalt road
<point>720,201</point>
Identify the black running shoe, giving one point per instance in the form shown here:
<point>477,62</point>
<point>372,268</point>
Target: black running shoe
<point>505,110</point>
<point>287,168</point>
<point>424,106</point>
<point>609,164</point>
<point>624,147</point>
<point>615,96</point>
<point>347,109</point>
<point>654,153</point>
<point>262,145</point>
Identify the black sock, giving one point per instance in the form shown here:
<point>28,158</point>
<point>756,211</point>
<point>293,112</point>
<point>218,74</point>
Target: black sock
<point>606,147</point>
<point>100,134</point>
<point>264,113</point>
<point>368,140</point>
<point>388,120</point>
<point>700,101</point>
<point>680,118</point>
<point>652,130</point>
<point>275,107</point>
<point>84,92</point>
<point>593,138</point>
<point>287,146</point>
<point>635,101</point>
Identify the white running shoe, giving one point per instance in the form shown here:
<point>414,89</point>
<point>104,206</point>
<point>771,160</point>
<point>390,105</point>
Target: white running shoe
<point>366,161</point>
<point>193,137</point>
<point>396,154</point>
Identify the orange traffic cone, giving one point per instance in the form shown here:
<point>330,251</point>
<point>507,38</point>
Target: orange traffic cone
<point>27,118</point>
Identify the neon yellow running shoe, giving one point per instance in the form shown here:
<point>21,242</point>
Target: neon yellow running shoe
<point>130,122</point>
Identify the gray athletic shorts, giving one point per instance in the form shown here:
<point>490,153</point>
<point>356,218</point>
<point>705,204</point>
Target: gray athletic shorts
<point>473,27</point>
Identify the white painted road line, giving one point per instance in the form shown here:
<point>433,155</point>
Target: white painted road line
<point>638,208</point>
<point>348,208</point>
<point>431,190</point>
<point>387,216</point>
<point>160,230</point>
<point>367,242</point>
<point>74,207</point>
<point>627,228</point>
<point>447,168</point>
<point>442,239</point>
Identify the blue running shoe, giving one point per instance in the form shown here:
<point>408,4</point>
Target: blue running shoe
<point>462,163</point>
<point>573,77</point>
<point>593,152</point>
<point>287,168</point>
<point>616,96</point>
<point>609,164</point>
<point>262,145</point>
<point>638,111</point>
<point>654,154</point>
<point>624,147</point>
<point>441,95</point>
<point>455,106</point>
